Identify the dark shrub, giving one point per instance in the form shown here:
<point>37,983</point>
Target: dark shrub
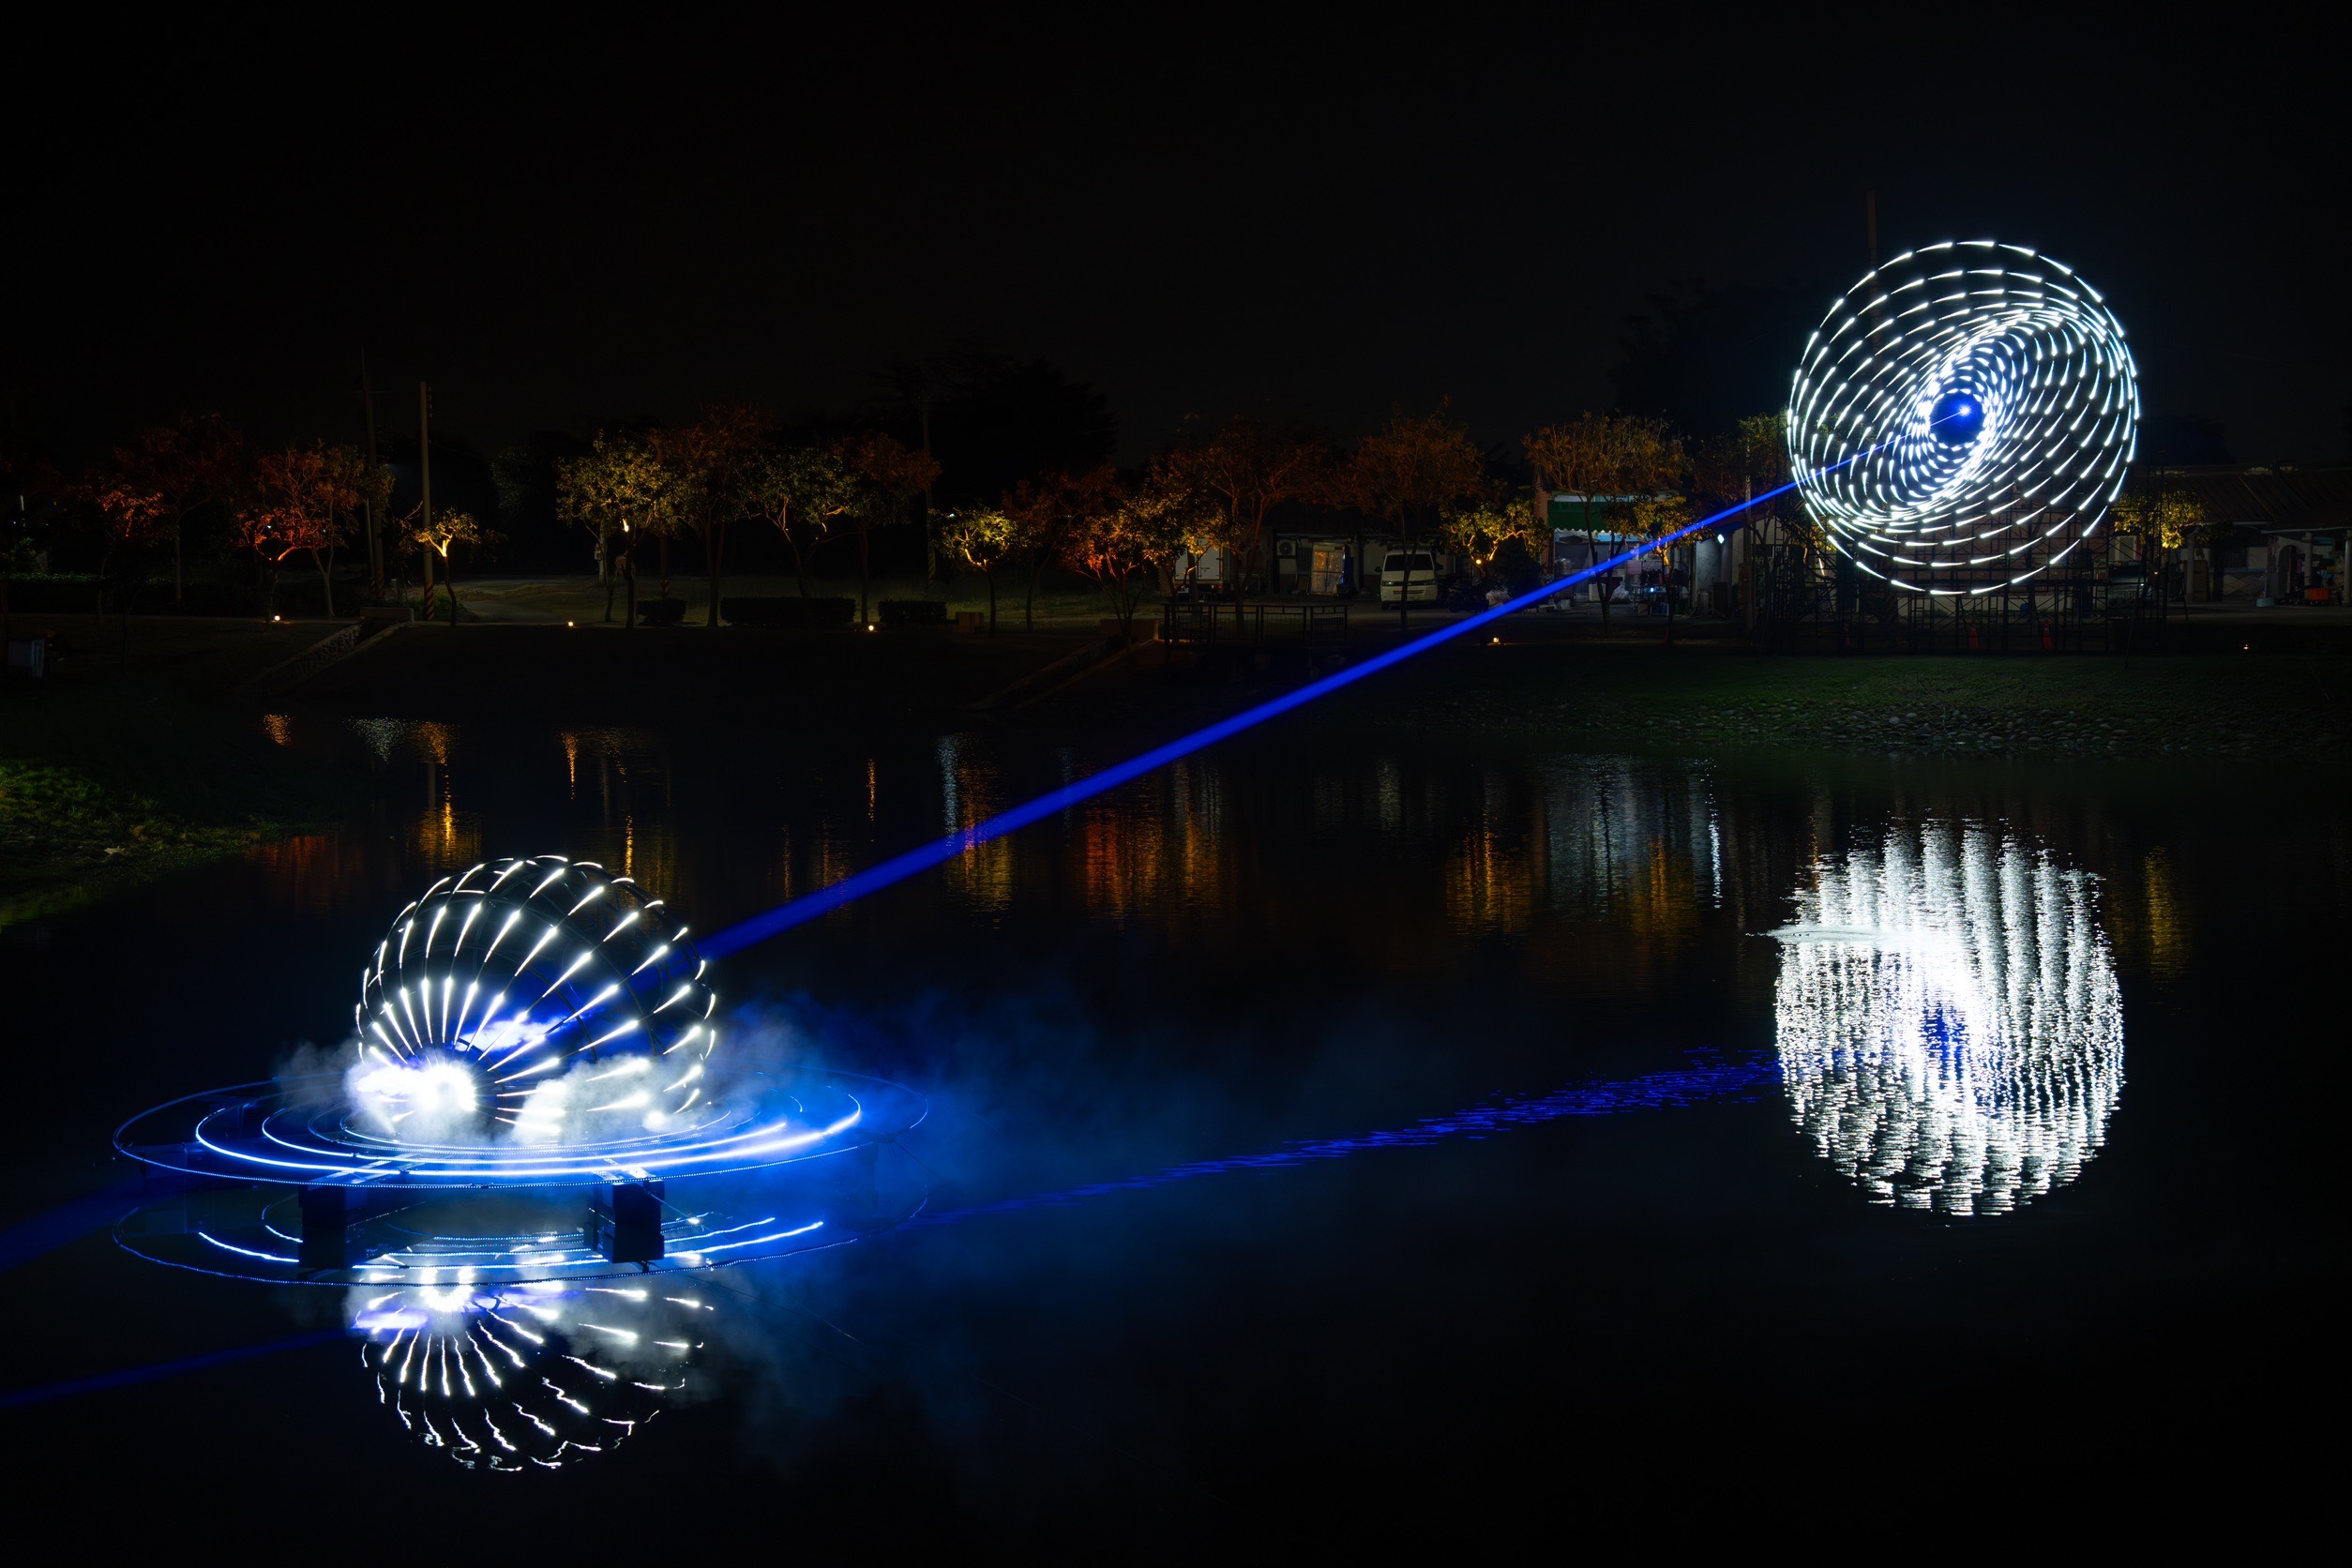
<point>1464,594</point>
<point>1521,571</point>
<point>64,593</point>
<point>797,613</point>
<point>665,613</point>
<point>236,594</point>
<point>230,598</point>
<point>298,595</point>
<point>914,612</point>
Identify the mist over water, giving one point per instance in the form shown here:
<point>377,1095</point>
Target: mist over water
<point>1349,1119</point>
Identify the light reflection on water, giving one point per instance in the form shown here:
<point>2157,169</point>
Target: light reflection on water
<point>1945,1009</point>
<point>1636,867</point>
<point>310,871</point>
<point>1950,1031</point>
<point>1272,949</point>
<point>530,1376</point>
<point>1290,951</point>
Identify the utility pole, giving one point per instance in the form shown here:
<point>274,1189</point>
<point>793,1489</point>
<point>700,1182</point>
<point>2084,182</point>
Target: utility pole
<point>425,469</point>
<point>1746,538</point>
<point>1870,229</point>
<point>375,539</point>
<point>930,533</point>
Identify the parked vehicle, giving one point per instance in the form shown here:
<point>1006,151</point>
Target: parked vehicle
<point>1429,573</point>
<point>1201,577</point>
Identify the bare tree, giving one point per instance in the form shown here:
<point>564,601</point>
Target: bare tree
<point>1608,460</point>
<point>800,491</point>
<point>1412,470</point>
<point>709,465</point>
<point>889,476</point>
<point>1242,470</point>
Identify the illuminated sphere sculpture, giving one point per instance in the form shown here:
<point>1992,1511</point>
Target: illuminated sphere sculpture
<point>1950,1031</point>
<point>535,1095</point>
<point>502,994</point>
<point>1994,404</point>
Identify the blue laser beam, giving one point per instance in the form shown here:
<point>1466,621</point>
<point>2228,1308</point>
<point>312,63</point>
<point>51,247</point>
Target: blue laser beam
<point>16,1399</point>
<point>1709,1078</point>
<point>67,1223</point>
<point>809,907</point>
<point>1706,1078</point>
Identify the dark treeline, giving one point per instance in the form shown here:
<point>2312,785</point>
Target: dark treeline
<point>965,462</point>
<point>989,420</point>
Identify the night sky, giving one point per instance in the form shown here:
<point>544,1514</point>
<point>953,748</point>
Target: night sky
<point>560,226</point>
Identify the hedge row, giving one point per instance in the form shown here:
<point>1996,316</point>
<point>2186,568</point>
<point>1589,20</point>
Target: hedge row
<point>77,593</point>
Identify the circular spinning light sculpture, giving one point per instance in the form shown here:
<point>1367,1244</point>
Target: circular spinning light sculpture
<point>1995,406</point>
<point>490,995</point>
<point>534,1092</point>
<point>1950,1030</point>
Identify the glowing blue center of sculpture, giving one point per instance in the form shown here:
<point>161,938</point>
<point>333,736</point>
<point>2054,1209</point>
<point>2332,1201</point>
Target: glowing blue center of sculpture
<point>1957,418</point>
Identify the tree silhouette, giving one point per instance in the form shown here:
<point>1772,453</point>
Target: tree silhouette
<point>1412,470</point>
<point>799,490</point>
<point>889,474</point>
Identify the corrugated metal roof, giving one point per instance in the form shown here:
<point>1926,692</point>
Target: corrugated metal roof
<point>2272,499</point>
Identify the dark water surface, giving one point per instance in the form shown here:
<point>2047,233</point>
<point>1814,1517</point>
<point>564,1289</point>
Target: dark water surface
<point>1330,1135</point>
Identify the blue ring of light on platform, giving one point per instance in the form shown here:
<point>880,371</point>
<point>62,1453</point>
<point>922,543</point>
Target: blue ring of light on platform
<point>744,1188</point>
<point>259,1132</point>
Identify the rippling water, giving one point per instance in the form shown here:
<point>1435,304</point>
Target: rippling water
<point>1323,1118</point>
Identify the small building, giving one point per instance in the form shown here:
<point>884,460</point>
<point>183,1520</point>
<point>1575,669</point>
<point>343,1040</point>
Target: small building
<point>1326,565</point>
<point>1334,562</point>
<point>2286,532</point>
<point>1701,567</point>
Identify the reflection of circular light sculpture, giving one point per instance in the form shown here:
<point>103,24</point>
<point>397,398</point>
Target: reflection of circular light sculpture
<point>1950,1029</point>
<point>1995,405</point>
<point>530,1375</point>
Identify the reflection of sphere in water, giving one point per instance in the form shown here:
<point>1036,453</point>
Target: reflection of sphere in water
<point>545,995</point>
<point>1951,1033</point>
<point>530,1376</point>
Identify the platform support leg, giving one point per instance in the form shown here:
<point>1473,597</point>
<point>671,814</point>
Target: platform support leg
<point>327,1221</point>
<point>625,1221</point>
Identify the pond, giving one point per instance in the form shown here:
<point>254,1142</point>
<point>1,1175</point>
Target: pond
<point>1329,1134</point>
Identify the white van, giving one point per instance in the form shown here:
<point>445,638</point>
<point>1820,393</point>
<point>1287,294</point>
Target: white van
<point>1427,570</point>
<point>1202,575</point>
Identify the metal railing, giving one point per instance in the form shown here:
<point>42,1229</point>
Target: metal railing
<point>1199,624</point>
<point>293,671</point>
<point>1807,606</point>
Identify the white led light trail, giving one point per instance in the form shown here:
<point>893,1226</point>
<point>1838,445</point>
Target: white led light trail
<point>1950,1031</point>
<point>493,988</point>
<point>528,1377</point>
<point>534,1098</point>
<point>1996,406</point>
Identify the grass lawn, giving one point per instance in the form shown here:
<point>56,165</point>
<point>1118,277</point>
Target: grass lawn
<point>132,760</point>
<point>1547,681</point>
<point>1701,698</point>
